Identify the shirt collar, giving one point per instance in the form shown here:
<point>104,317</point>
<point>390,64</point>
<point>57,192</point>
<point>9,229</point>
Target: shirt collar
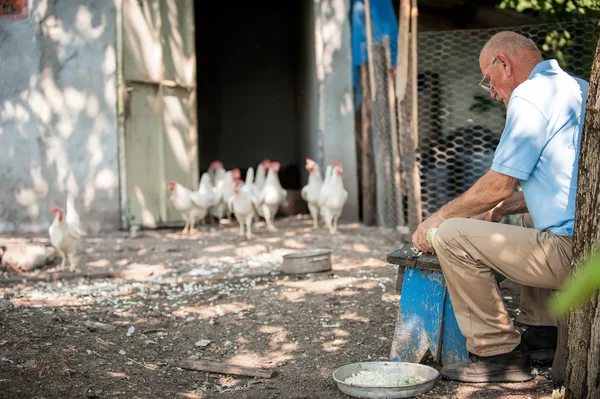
<point>545,66</point>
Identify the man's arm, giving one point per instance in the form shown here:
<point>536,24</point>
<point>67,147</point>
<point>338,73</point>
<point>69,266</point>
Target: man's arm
<point>512,206</point>
<point>488,191</point>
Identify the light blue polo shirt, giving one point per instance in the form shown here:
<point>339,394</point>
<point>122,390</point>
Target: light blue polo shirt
<point>540,144</point>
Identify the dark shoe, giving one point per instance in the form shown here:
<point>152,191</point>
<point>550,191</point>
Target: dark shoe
<point>514,366</point>
<point>499,278</point>
<point>541,343</point>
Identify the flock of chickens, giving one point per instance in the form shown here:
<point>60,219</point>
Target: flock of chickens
<point>222,193</point>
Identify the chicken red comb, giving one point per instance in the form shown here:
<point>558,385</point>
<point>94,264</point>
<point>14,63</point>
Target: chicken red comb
<point>309,161</point>
<point>172,182</point>
<point>216,164</point>
<point>266,162</point>
<point>56,209</point>
<point>336,165</point>
<point>237,182</point>
<point>236,172</point>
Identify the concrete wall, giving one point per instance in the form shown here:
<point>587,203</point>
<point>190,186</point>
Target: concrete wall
<point>58,115</point>
<point>309,143</point>
<point>336,103</point>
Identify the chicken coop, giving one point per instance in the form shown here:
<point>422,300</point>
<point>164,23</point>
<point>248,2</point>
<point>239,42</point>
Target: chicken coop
<point>236,82</point>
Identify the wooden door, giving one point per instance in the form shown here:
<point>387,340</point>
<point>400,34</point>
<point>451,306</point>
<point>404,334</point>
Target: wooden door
<point>160,128</point>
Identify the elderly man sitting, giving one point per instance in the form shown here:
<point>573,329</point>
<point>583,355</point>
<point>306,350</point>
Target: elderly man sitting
<point>540,149</point>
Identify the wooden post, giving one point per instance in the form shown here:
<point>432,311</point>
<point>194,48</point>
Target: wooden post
<point>401,86</point>
<point>370,48</point>
<point>386,208</point>
<point>414,63</point>
<point>366,150</point>
<point>402,56</point>
<point>408,123</point>
<point>394,135</point>
<point>412,172</point>
<point>376,121</point>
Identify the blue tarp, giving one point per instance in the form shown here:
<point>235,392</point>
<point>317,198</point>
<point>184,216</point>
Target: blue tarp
<point>383,22</point>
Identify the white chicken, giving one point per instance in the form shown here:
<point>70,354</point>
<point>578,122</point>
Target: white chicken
<point>325,185</point>
<point>242,207</point>
<point>312,191</point>
<point>250,186</point>
<point>261,173</point>
<point>205,189</point>
<point>272,196</point>
<point>189,203</point>
<point>206,192</point>
<point>64,231</point>
<point>222,192</point>
<point>334,198</point>
<point>216,172</point>
<point>253,192</point>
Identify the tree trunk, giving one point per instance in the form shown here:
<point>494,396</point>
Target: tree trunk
<point>582,379</point>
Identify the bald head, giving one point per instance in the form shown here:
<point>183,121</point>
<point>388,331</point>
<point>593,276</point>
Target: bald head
<point>516,46</point>
<point>506,61</point>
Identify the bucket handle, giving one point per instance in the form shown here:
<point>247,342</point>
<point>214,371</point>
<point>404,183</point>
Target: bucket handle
<point>318,259</point>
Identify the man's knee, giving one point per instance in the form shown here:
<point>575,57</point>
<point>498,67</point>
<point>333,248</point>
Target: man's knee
<point>447,231</point>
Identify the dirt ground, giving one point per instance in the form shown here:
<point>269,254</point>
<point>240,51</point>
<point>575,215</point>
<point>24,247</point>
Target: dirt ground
<point>214,296</point>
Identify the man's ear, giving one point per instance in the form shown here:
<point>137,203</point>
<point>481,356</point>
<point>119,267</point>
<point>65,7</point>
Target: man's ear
<point>504,63</point>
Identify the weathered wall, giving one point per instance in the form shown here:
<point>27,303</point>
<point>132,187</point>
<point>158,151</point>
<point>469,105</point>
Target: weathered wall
<point>309,144</point>
<point>336,103</point>
<point>58,115</point>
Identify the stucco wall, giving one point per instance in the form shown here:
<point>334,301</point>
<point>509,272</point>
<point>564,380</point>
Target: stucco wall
<point>58,115</point>
<point>309,144</point>
<point>336,103</point>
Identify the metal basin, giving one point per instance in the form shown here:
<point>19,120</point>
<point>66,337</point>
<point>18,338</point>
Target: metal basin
<point>379,392</point>
<point>307,261</point>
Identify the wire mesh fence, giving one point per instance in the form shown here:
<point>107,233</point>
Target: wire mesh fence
<point>459,124</point>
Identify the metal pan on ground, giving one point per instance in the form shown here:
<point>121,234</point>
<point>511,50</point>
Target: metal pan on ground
<point>406,370</point>
<point>307,261</point>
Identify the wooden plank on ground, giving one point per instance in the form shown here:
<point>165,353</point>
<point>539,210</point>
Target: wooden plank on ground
<point>223,368</point>
<point>58,276</point>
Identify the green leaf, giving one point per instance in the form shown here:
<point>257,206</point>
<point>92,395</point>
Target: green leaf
<point>579,289</point>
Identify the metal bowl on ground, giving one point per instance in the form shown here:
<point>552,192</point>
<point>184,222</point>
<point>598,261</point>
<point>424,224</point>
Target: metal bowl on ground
<point>429,374</point>
<point>307,261</point>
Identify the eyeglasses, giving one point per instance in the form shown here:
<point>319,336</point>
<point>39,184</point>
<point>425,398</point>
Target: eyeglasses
<point>485,82</point>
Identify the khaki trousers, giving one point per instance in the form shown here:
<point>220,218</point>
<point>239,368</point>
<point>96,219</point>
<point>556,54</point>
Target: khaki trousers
<point>470,250</point>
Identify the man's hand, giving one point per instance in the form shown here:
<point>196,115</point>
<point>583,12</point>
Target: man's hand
<point>419,238</point>
<point>493,215</point>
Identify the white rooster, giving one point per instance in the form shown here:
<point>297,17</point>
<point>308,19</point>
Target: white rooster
<point>312,191</point>
<point>261,173</point>
<point>250,186</point>
<point>189,203</point>
<point>272,196</point>
<point>206,192</point>
<point>64,231</point>
<point>242,207</point>
<point>216,171</point>
<point>325,185</point>
<point>222,191</point>
<point>334,198</point>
